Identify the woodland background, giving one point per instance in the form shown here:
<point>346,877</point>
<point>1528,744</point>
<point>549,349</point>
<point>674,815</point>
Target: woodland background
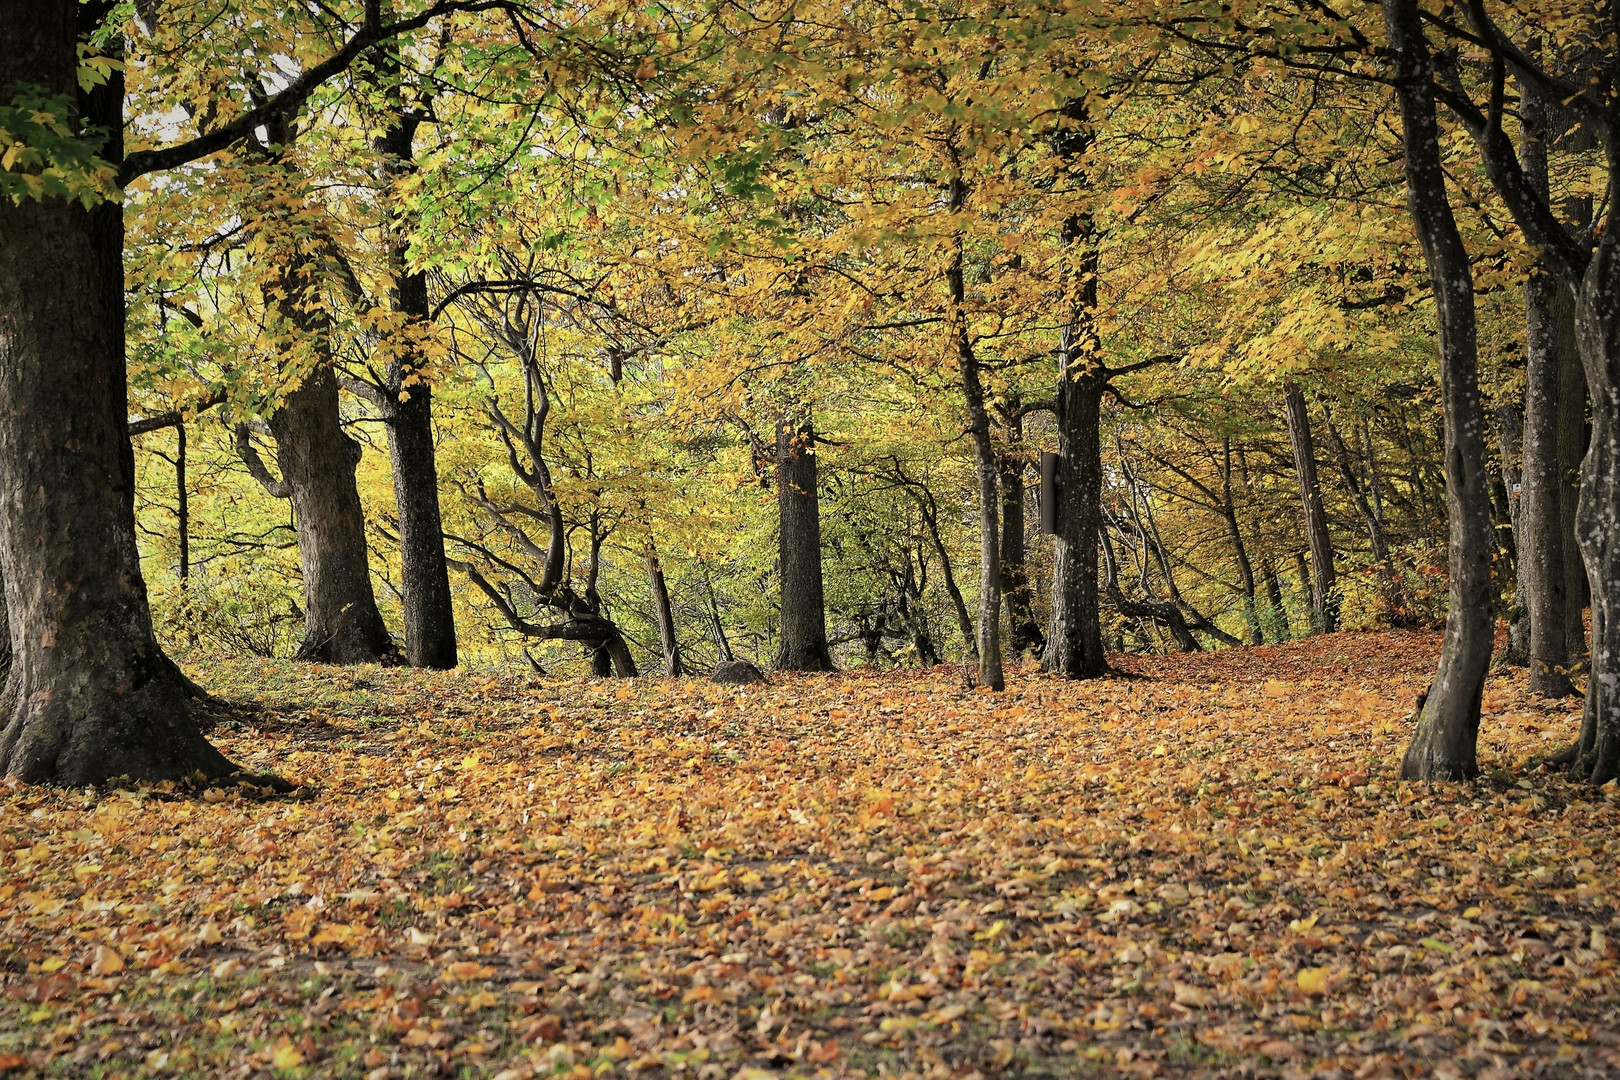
<point>680,264</point>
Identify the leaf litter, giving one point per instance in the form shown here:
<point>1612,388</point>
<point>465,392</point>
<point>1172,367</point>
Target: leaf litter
<point>1205,868</point>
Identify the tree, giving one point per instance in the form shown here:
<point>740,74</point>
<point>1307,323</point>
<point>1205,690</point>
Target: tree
<point>1324,584</point>
<point>342,624</point>
<point>405,393</point>
<point>1443,748</point>
<point>804,626</point>
<point>90,695</point>
<point>1539,535</point>
<point>1589,265</point>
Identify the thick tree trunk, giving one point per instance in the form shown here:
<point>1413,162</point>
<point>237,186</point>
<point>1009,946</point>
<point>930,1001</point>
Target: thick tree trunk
<point>1540,540</point>
<point>430,625</point>
<point>318,460</point>
<point>1597,327</point>
<point>666,614</point>
<point>1324,579</point>
<point>1537,526</point>
<point>804,618</point>
<point>1444,745</point>
<point>1074,646</point>
<point>91,696</point>
<point>429,615</point>
<point>1074,642</point>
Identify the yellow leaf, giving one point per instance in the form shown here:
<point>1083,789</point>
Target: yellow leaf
<point>106,961</point>
<point>1193,997</point>
<point>1313,981</point>
<point>286,1056</point>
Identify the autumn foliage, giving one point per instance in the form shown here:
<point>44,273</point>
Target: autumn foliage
<point>1201,867</point>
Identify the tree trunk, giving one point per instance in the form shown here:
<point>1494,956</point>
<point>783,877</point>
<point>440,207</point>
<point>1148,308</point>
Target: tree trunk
<point>91,696</point>
<point>318,460</point>
<point>182,511</point>
<point>1240,550</point>
<point>1572,440</point>
<point>429,616</point>
<point>722,644</point>
<point>1274,597</point>
<point>1324,580</point>
<point>666,615</point>
<point>1026,635</point>
<point>1444,745</point>
<point>964,621</point>
<point>430,626</point>
<point>5,640</point>
<point>804,618</point>
<point>1074,643</point>
<point>1538,533</point>
<point>1516,466</point>
<point>989,629</point>
<point>984,457</point>
<point>1597,328</point>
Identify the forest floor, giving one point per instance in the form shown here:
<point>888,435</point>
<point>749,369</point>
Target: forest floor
<point>1206,869</point>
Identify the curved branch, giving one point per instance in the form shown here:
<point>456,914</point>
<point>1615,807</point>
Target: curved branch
<point>277,489</point>
<point>290,98</point>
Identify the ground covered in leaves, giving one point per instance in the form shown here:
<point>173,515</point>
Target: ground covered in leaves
<point>1206,869</point>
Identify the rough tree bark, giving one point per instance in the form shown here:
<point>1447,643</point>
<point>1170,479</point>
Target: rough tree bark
<point>429,615</point>
<point>91,696</point>
<point>1443,747</point>
<point>1597,515</point>
<point>1589,264</point>
<point>1026,636</point>
<point>1538,532</point>
<point>798,505</point>
<point>1324,579</point>
<point>1571,452</point>
<point>318,459</point>
<point>1074,642</point>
